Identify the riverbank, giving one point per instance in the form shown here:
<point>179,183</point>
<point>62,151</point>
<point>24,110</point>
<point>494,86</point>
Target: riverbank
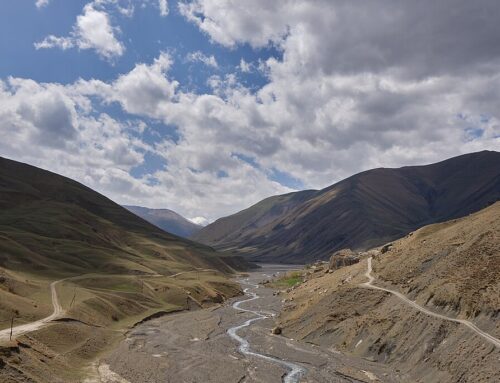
<point>195,347</point>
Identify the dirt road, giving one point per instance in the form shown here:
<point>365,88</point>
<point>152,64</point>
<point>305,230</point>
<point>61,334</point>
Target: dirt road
<point>32,326</point>
<point>491,339</point>
<point>233,343</point>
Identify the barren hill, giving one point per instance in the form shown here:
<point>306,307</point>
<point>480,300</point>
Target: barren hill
<point>451,269</point>
<point>362,211</point>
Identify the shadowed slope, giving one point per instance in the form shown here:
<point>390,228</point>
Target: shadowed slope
<point>167,220</point>
<point>365,210</point>
<point>51,224</point>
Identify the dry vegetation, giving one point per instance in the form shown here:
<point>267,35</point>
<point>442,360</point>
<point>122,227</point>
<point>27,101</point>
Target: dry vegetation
<point>452,268</point>
<point>116,268</point>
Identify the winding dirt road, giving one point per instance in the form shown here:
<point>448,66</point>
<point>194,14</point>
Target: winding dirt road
<point>187,272</point>
<point>58,310</point>
<point>32,326</point>
<point>491,339</point>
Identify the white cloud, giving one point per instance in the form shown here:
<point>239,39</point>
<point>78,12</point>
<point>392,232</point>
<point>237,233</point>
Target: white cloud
<point>229,22</point>
<point>52,41</point>
<point>348,93</point>
<point>351,85</point>
<point>45,122</point>
<point>163,5</point>
<point>142,91</point>
<point>198,56</point>
<point>200,221</point>
<point>41,3</point>
<point>92,30</point>
<point>245,67</point>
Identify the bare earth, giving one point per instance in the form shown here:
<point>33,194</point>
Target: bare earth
<point>196,347</point>
<point>29,327</point>
<point>491,339</point>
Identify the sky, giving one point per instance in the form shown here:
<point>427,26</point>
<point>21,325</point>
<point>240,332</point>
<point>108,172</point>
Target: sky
<point>206,107</point>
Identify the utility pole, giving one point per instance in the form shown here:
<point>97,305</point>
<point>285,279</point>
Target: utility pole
<point>73,300</point>
<point>11,325</point>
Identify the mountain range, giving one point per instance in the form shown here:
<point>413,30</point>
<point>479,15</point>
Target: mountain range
<point>362,211</point>
<point>166,220</point>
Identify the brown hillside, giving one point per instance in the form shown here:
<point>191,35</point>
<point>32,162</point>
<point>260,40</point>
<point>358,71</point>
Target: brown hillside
<point>365,210</point>
<point>451,268</point>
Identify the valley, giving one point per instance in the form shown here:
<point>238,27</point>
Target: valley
<point>234,343</point>
<point>224,191</point>
<point>98,295</point>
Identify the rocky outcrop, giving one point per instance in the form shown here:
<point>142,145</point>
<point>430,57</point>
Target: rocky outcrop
<point>276,330</point>
<point>342,258</point>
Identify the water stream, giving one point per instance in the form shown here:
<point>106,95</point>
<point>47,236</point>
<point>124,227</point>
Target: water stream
<point>295,371</point>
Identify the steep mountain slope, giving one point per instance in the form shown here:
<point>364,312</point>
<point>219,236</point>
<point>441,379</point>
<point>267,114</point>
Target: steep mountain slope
<point>450,268</point>
<point>236,227</point>
<point>167,220</point>
<point>112,269</point>
<point>51,224</point>
<point>365,210</point>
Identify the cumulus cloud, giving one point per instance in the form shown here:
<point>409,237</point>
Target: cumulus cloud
<point>382,83</point>
<point>47,121</point>
<point>92,30</point>
<point>142,91</point>
<point>357,86</point>
<point>229,22</point>
<point>163,5</point>
<point>44,122</point>
<point>41,3</point>
<point>200,221</point>
<point>198,56</point>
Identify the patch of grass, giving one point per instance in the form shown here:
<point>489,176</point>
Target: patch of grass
<point>290,279</point>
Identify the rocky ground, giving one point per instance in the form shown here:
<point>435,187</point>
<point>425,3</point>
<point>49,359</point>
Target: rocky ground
<point>195,347</point>
<point>452,269</point>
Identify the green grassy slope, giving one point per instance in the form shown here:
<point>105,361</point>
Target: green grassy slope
<point>50,224</point>
<point>52,228</point>
<point>115,269</point>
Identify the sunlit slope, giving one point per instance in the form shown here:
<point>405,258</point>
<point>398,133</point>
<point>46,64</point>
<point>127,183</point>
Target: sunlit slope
<point>451,269</point>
